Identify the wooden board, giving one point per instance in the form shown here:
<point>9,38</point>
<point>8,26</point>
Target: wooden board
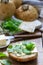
<point>36,34</point>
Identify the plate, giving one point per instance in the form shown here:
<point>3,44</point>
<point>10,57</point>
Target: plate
<point>7,43</point>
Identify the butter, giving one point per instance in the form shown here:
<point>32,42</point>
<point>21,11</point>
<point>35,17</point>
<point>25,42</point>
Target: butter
<point>2,40</point>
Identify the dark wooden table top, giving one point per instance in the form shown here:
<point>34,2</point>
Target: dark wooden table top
<point>38,61</point>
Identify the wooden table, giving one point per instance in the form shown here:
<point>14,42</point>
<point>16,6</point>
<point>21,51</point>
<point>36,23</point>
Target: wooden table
<point>38,61</point>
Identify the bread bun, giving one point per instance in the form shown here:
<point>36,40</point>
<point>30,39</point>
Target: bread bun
<point>27,13</point>
<point>17,3</point>
<point>6,10</point>
<point>23,58</point>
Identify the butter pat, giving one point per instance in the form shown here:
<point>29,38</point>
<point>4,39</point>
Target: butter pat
<point>2,40</point>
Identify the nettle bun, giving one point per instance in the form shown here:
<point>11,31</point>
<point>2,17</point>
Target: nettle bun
<point>27,12</point>
<point>6,10</point>
<point>17,3</point>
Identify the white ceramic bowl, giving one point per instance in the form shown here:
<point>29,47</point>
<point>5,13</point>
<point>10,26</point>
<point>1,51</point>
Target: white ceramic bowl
<point>7,43</point>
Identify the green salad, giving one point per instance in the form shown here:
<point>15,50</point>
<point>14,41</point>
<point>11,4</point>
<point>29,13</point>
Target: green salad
<point>23,48</point>
<point>11,26</point>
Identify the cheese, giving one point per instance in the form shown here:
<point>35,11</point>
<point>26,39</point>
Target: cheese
<point>30,26</point>
<point>2,40</point>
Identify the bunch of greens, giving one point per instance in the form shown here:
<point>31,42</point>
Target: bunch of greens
<point>22,48</point>
<point>11,26</point>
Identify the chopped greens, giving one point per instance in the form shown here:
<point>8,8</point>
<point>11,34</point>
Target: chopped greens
<point>11,26</point>
<point>2,55</point>
<point>23,48</point>
<point>10,48</point>
<point>5,62</point>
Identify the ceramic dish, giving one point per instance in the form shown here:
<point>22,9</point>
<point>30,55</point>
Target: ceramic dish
<point>7,43</point>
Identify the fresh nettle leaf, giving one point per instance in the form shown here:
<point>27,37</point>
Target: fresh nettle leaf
<point>10,48</point>
<point>14,48</point>
<point>27,52</point>
<point>30,46</point>
<point>5,62</point>
<point>2,55</point>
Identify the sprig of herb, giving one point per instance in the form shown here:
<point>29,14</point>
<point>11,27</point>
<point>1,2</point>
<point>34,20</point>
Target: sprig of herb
<point>30,46</point>
<point>2,55</point>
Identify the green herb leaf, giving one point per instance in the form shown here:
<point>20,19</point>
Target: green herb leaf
<point>10,48</point>
<point>2,55</point>
<point>26,51</point>
<point>30,46</point>
<point>11,25</point>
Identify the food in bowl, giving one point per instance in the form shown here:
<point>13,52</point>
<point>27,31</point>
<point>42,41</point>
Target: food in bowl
<point>2,40</point>
<point>26,13</point>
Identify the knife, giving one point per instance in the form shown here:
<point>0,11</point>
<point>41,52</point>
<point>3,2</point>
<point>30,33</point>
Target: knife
<point>29,36</point>
<point>33,2</point>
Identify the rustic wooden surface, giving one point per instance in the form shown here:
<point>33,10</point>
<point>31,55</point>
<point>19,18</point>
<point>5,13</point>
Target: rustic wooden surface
<point>38,61</point>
